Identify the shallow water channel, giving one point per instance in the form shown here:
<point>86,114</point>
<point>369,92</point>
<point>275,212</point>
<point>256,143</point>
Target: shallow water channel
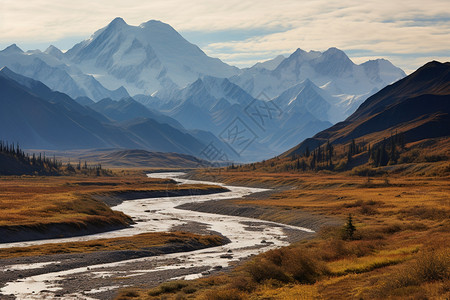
<point>101,281</point>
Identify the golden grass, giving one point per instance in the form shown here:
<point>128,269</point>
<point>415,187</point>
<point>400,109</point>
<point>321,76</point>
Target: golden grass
<point>36,201</point>
<point>400,223</point>
<point>143,241</point>
<point>288,292</point>
<point>404,198</point>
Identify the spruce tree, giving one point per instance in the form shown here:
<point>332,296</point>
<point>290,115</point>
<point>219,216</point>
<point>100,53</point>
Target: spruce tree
<point>349,228</point>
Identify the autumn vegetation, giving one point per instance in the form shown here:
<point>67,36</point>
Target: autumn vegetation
<point>395,247</point>
<point>15,161</point>
<point>143,242</point>
<point>364,157</point>
<point>36,202</point>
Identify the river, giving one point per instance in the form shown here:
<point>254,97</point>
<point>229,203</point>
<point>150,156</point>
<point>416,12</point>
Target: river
<point>99,281</point>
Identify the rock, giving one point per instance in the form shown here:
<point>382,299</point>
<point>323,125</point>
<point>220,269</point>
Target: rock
<point>226,256</point>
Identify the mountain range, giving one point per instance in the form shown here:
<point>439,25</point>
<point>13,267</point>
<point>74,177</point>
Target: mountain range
<point>132,76</point>
<point>37,117</point>
<point>417,106</point>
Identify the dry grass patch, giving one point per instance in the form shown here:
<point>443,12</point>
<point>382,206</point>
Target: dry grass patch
<point>398,221</point>
<point>37,201</point>
<point>143,241</point>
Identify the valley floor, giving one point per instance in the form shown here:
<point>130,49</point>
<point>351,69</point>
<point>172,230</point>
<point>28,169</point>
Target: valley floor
<point>399,248</point>
<point>96,266</point>
<point>45,207</point>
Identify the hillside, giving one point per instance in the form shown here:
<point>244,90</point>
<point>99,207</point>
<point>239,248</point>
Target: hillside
<point>39,118</point>
<point>405,124</point>
<point>417,106</point>
<point>142,158</point>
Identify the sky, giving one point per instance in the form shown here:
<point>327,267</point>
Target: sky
<point>240,32</point>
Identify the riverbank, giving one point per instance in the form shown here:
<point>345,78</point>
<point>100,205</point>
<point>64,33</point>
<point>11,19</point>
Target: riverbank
<point>242,208</point>
<point>46,207</point>
<point>247,237</point>
<point>45,259</point>
<point>392,241</point>
<point>117,197</point>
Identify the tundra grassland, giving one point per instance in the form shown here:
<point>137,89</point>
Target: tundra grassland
<point>398,247</point>
<point>39,202</point>
<point>144,241</point>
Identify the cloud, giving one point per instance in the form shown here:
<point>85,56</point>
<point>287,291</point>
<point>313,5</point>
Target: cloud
<point>391,28</point>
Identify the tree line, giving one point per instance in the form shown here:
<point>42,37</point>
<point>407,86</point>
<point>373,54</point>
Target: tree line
<point>40,164</point>
<point>326,157</point>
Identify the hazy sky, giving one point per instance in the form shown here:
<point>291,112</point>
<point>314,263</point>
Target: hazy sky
<point>409,33</point>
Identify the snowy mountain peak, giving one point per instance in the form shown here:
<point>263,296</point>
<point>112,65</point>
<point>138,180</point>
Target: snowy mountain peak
<point>53,51</point>
<point>299,55</point>
<point>156,24</point>
<point>334,54</point>
<point>299,52</point>
<point>270,64</point>
<point>382,70</point>
<point>5,72</point>
<point>148,58</point>
<point>333,51</point>
<point>302,55</point>
<point>12,49</point>
<point>333,62</point>
<point>117,23</point>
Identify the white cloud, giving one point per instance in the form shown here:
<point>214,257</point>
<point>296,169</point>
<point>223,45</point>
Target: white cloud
<point>386,27</point>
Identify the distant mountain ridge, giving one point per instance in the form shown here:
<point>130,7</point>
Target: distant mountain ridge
<point>147,57</point>
<point>50,68</point>
<point>142,158</point>
<point>417,106</point>
<point>39,118</point>
<point>343,84</point>
<point>181,86</point>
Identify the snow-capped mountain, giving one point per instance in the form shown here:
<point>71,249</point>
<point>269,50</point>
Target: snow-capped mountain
<point>345,84</point>
<point>144,58</point>
<point>37,117</point>
<point>305,96</point>
<point>220,106</point>
<point>49,67</point>
<point>302,94</point>
<point>270,64</point>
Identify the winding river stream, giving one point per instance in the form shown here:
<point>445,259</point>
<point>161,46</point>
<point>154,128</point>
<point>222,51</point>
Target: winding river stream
<point>100,281</point>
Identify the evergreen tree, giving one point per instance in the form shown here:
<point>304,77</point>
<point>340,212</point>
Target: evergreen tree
<point>349,228</point>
